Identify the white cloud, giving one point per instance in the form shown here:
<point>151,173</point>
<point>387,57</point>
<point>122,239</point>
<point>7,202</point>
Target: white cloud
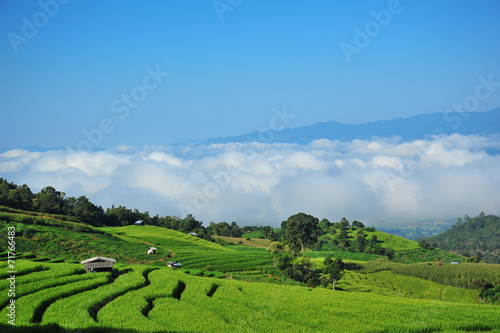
<point>262,183</point>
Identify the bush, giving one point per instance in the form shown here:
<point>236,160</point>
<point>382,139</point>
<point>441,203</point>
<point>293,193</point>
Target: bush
<point>491,295</point>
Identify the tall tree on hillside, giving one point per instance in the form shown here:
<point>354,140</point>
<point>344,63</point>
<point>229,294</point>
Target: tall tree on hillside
<point>360,243</point>
<point>324,225</point>
<point>49,200</point>
<point>333,269</point>
<point>344,224</point>
<point>190,224</point>
<point>85,210</point>
<point>24,197</point>
<point>301,230</point>
<point>281,254</point>
<point>357,224</point>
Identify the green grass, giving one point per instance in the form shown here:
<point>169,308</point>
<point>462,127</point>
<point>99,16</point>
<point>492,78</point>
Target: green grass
<point>87,304</point>
<point>388,240</point>
<point>170,301</point>
<point>390,284</point>
<point>464,275</point>
<point>194,252</point>
<point>58,243</point>
<point>36,218</point>
<point>423,255</point>
<point>252,234</point>
<point>253,242</point>
<point>343,255</point>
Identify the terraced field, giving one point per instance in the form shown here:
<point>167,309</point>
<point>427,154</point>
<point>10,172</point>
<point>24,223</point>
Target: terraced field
<point>141,299</point>
<point>194,252</point>
<point>389,284</point>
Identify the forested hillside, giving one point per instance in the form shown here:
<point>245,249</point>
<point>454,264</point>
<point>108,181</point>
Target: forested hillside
<point>473,236</point>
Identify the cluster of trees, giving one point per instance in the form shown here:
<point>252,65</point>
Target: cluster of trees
<point>302,230</point>
<point>51,201</point>
<point>299,267</point>
<point>472,237</point>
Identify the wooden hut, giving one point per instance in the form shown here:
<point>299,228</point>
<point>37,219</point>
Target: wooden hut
<point>98,264</point>
<point>174,264</point>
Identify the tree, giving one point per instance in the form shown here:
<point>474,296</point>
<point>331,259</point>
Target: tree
<point>301,230</point>
<point>236,231</point>
<point>474,259</point>
<point>122,216</point>
<point>85,210</point>
<point>360,243</point>
<point>189,223</point>
<point>302,270</point>
<point>266,231</point>
<point>324,225</point>
<point>15,196</point>
<point>333,270</point>
<point>282,256</point>
<point>357,224</point>
<point>344,224</point>
<point>50,201</point>
<point>343,235</point>
<point>423,244</point>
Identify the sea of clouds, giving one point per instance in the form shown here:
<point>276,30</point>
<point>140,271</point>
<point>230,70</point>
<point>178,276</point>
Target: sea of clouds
<point>382,180</point>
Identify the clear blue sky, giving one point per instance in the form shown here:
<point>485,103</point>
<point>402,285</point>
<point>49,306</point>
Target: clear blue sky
<point>228,70</point>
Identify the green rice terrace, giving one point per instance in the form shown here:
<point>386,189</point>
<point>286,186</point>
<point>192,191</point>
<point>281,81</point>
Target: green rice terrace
<point>229,286</point>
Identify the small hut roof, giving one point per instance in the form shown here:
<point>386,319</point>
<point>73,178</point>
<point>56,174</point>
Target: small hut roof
<point>86,261</point>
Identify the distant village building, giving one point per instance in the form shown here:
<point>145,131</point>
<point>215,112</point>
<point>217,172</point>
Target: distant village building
<point>455,262</point>
<point>139,222</point>
<point>152,250</point>
<point>174,264</point>
<point>98,264</point>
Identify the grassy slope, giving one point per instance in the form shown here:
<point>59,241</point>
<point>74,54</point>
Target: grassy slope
<point>253,234</point>
<point>389,284</point>
<point>61,237</point>
<point>57,242</point>
<point>194,252</point>
<point>388,240</point>
<point>253,242</point>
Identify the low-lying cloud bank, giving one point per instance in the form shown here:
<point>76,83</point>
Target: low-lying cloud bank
<point>383,180</point>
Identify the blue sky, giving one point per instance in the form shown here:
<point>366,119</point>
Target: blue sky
<point>229,65</point>
<point>105,88</point>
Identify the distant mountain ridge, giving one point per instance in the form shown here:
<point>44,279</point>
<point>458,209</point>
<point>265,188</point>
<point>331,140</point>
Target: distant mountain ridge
<point>412,128</point>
